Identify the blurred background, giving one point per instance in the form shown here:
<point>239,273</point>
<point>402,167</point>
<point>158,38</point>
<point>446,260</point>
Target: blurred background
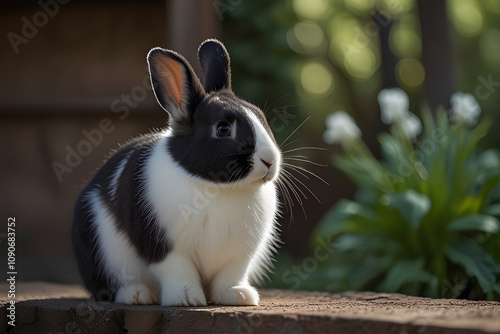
<point>74,85</point>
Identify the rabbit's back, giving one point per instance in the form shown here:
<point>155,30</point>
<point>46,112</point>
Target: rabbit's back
<point>112,220</point>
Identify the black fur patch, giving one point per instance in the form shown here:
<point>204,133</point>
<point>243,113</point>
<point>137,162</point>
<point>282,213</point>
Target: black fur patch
<point>221,160</point>
<point>96,279</point>
<point>132,214</point>
<point>215,63</point>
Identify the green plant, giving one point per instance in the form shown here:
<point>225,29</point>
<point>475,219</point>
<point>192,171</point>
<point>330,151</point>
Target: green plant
<point>424,221</point>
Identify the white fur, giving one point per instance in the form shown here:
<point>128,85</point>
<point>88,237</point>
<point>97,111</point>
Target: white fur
<point>136,293</point>
<point>265,149</point>
<point>222,236</point>
<point>118,256</point>
<point>117,174</point>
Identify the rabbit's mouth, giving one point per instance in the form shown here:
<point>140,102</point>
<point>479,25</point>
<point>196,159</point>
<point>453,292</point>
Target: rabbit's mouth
<point>272,173</point>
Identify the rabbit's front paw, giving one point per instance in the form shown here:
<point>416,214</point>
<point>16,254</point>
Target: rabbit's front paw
<point>189,294</point>
<point>137,293</point>
<point>238,295</point>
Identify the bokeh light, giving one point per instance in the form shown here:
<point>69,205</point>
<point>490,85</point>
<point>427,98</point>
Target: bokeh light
<point>311,9</point>
<point>361,63</point>
<point>492,5</point>
<point>404,39</point>
<point>466,16</point>
<point>352,47</point>
<point>410,72</point>
<point>361,6</point>
<point>342,28</point>
<point>397,7</point>
<point>308,35</point>
<point>489,48</point>
<point>316,79</point>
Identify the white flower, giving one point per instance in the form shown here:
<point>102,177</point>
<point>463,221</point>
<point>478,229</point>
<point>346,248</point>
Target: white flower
<point>340,128</point>
<point>394,104</point>
<point>465,108</point>
<point>412,126</point>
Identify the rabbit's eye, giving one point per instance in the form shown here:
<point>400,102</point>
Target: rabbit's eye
<point>223,129</point>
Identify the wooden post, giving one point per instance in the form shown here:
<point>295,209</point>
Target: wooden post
<point>190,22</point>
<point>389,60</point>
<point>436,53</point>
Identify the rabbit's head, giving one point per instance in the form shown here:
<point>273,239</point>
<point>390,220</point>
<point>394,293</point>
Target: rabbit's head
<point>216,137</point>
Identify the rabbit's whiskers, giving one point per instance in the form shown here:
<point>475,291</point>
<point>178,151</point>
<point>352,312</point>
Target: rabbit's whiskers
<point>292,188</point>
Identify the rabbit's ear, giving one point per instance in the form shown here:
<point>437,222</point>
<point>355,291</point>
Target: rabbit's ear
<point>214,61</point>
<point>176,86</point>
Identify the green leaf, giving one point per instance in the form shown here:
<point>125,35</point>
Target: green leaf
<point>493,210</point>
<point>492,246</point>
<point>428,122</point>
<point>360,170</point>
<point>480,131</point>
<point>402,272</point>
<point>367,271</point>
<point>495,291</point>
<point>490,181</point>
<point>443,124</point>
<point>475,260</point>
<point>366,195</point>
<point>432,288</point>
<point>338,219</point>
<point>392,151</point>
<point>349,242</point>
<point>411,205</point>
<point>452,163</point>
<point>488,160</point>
<point>478,222</point>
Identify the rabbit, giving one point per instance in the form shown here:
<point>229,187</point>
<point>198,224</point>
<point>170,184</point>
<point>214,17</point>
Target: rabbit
<point>187,215</point>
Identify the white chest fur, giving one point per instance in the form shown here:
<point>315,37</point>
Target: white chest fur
<point>212,225</point>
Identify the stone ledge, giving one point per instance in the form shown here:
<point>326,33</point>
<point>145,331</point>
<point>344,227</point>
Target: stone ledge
<point>45,308</point>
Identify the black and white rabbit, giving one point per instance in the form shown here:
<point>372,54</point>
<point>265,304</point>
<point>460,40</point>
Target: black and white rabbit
<point>185,215</point>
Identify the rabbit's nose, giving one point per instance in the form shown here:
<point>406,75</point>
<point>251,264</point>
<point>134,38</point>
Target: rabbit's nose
<point>266,163</point>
